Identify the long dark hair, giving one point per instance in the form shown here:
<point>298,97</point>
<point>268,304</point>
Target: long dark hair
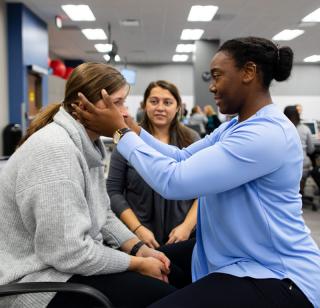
<point>88,78</point>
<point>183,134</point>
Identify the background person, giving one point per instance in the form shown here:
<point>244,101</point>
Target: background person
<point>213,120</point>
<point>154,219</point>
<point>253,248</point>
<point>307,145</point>
<point>197,117</point>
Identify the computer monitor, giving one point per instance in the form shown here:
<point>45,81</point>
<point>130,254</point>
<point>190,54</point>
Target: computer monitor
<point>312,124</point>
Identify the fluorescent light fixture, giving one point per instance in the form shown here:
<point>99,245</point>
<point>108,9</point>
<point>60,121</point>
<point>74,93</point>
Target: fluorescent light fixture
<point>314,58</point>
<point>191,34</point>
<point>186,48</point>
<point>287,35</point>
<point>94,34</point>
<point>312,17</point>
<point>106,57</point>
<point>202,12</point>
<point>117,58</point>
<point>180,58</point>
<point>78,12</point>
<point>103,47</point>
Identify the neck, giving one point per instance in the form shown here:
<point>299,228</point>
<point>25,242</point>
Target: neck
<point>254,103</point>
<point>162,133</point>
<point>92,135</point>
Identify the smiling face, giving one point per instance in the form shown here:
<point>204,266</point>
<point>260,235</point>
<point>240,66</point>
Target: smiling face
<point>226,84</point>
<point>161,107</point>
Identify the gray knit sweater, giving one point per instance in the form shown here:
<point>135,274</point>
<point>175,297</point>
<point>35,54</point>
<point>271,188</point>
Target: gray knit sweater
<point>55,212</point>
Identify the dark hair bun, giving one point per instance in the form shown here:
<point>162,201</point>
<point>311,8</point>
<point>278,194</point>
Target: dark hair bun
<point>284,64</point>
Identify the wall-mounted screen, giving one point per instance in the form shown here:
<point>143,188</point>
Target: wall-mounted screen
<point>129,75</point>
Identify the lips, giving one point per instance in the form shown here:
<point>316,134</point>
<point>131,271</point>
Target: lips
<point>217,100</point>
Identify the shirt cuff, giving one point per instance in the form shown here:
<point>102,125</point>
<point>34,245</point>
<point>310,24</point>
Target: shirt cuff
<point>128,143</point>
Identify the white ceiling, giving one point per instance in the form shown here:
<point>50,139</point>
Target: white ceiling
<point>161,23</point>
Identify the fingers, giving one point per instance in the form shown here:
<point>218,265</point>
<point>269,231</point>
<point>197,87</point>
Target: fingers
<point>86,104</point>
<point>165,278</point>
<point>106,99</point>
<point>155,243</point>
<point>171,240</point>
<point>149,244</point>
<point>80,114</point>
<point>166,261</point>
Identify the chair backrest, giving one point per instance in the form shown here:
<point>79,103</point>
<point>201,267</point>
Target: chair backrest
<point>37,287</point>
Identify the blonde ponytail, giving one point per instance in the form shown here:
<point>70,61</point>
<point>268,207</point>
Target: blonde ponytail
<point>43,118</point>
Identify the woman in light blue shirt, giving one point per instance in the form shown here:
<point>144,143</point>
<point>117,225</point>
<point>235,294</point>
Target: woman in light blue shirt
<point>253,248</point>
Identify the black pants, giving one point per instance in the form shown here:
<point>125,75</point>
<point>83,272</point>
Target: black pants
<point>227,291</point>
<point>131,289</point>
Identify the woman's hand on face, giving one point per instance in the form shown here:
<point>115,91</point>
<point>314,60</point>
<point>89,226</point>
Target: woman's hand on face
<point>147,236</point>
<point>102,121</point>
<point>178,234</point>
<point>146,251</point>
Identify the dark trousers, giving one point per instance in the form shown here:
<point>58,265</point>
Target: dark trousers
<point>228,291</point>
<point>131,289</point>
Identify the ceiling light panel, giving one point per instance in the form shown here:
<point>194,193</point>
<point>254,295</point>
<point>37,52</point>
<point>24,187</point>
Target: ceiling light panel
<point>202,12</point>
<point>94,34</point>
<point>314,58</point>
<point>312,17</point>
<point>78,12</point>
<point>103,47</point>
<point>107,57</point>
<point>180,58</point>
<point>186,48</point>
<point>191,34</point>
<point>287,35</point>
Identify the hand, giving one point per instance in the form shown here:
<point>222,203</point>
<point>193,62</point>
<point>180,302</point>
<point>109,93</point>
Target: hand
<point>102,121</point>
<point>133,124</point>
<point>149,266</point>
<point>179,233</point>
<point>146,251</point>
<point>147,236</point>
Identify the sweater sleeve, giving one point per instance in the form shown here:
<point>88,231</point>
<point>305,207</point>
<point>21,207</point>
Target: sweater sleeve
<point>116,183</point>
<point>56,215</point>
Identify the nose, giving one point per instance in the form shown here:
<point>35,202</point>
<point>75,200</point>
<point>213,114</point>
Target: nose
<point>160,106</point>
<point>212,88</point>
<point>124,111</point>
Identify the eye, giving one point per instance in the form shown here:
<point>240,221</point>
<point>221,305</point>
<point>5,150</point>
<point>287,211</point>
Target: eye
<point>119,103</point>
<point>153,101</point>
<point>216,76</point>
<point>168,103</point>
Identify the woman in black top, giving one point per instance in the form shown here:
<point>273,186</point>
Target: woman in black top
<point>155,220</point>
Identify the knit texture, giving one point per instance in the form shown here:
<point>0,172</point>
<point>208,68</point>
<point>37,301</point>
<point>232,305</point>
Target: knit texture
<point>55,212</point>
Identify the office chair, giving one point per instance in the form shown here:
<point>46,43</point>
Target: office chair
<point>37,287</point>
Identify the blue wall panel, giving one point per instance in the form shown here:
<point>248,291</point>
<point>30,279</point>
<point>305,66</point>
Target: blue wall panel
<point>27,45</point>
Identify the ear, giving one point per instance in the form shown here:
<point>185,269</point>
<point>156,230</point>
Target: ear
<point>249,72</point>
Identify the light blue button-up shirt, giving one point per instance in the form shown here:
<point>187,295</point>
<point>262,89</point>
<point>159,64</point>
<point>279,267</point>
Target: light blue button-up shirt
<point>247,177</point>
